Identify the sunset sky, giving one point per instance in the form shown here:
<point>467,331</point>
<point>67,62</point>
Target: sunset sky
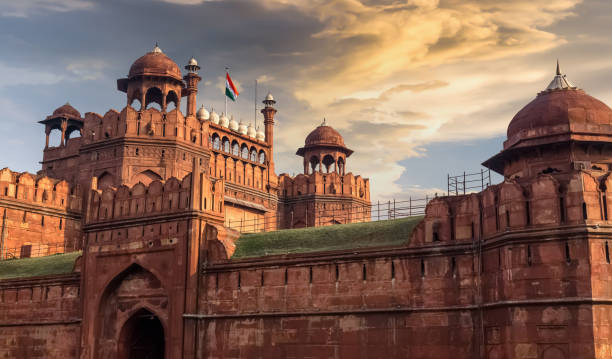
<point>418,88</point>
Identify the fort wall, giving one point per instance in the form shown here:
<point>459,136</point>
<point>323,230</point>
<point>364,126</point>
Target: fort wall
<point>40,317</point>
<point>40,215</point>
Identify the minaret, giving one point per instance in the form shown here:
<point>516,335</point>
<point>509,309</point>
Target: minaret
<point>269,111</point>
<point>192,79</point>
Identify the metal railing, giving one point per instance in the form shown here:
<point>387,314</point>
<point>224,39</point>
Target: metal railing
<point>378,211</point>
<point>468,182</point>
<point>37,250</point>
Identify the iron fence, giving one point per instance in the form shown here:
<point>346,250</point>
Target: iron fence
<point>468,182</point>
<point>321,216</point>
<point>36,250</point>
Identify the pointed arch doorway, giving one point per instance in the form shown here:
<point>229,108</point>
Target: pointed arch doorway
<point>142,337</point>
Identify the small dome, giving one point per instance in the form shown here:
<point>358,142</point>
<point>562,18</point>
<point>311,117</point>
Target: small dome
<point>251,130</point>
<point>260,135</point>
<point>214,117</point>
<point>224,121</point>
<point>155,63</point>
<point>66,111</point>
<point>192,62</point>
<point>233,125</point>
<point>242,128</point>
<point>324,135</point>
<point>202,114</point>
<point>269,97</point>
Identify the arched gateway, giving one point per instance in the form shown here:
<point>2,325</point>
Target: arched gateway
<point>142,337</point>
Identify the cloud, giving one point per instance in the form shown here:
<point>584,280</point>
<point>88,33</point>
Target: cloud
<point>26,8</point>
<point>15,76</point>
<point>87,69</point>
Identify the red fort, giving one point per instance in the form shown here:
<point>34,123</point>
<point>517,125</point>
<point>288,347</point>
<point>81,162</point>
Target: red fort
<point>138,227</point>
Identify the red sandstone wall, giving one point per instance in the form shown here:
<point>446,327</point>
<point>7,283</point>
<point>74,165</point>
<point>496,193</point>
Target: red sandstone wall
<point>304,310</point>
<point>40,216</point>
<point>40,317</point>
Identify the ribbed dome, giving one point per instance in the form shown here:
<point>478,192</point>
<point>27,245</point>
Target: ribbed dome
<point>202,114</point>
<point>66,111</point>
<point>251,130</point>
<point>260,135</point>
<point>324,135</point>
<point>559,111</point>
<point>233,125</point>
<point>214,117</point>
<point>224,121</point>
<point>155,63</point>
<point>242,128</point>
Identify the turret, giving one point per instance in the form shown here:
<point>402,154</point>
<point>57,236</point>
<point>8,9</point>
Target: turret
<point>269,111</point>
<point>192,79</point>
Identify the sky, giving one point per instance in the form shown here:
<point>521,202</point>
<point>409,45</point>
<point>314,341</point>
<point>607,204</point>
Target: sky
<point>418,88</point>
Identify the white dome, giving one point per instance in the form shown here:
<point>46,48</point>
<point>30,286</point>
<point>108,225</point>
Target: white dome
<point>242,128</point>
<point>233,125</point>
<point>251,130</point>
<point>214,117</point>
<point>260,135</point>
<point>269,97</point>
<point>224,121</point>
<point>202,114</point>
<point>192,62</point>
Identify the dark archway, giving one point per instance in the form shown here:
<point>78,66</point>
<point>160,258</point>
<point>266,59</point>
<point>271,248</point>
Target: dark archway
<point>142,337</point>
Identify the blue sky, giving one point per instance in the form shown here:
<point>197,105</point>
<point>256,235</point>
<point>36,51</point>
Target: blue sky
<point>418,88</point>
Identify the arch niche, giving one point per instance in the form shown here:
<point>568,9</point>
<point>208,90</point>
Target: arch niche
<point>131,317</point>
<point>146,177</point>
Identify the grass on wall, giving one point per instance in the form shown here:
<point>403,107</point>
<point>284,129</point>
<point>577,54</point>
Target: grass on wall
<point>39,266</point>
<point>394,232</point>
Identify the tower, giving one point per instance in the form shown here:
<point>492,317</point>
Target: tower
<point>324,151</point>
<point>269,111</point>
<point>154,78</point>
<point>192,79</point>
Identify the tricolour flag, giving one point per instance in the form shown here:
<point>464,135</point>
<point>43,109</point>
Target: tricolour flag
<point>230,89</point>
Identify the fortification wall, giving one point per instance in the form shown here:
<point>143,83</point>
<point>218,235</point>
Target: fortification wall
<point>379,304</point>
<point>40,317</point>
<point>40,215</point>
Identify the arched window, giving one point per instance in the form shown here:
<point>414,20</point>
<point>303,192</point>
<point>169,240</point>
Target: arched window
<point>171,100</point>
<point>216,142</point>
<point>153,97</point>
<point>262,157</point>
<point>253,157</point>
<point>244,152</point>
<point>226,145</point>
<point>235,149</point>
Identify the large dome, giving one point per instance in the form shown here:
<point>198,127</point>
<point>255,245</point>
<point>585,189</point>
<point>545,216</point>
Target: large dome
<point>559,111</point>
<point>324,136</point>
<point>155,63</point>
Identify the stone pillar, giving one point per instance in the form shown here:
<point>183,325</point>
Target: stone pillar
<point>64,125</point>
<point>47,133</point>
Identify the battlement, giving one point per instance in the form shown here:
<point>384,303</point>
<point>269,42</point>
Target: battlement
<point>41,191</point>
<point>580,197</point>
<point>150,123</point>
<point>157,199</point>
<point>325,184</point>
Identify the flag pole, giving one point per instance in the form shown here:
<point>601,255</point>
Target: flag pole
<point>255,104</point>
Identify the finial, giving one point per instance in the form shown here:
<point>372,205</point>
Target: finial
<point>558,70</point>
<point>324,123</point>
<point>156,49</point>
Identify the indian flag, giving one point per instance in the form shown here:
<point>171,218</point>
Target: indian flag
<point>230,89</point>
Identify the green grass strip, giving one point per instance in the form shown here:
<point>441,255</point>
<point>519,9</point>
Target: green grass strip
<point>39,266</point>
<point>394,232</point>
